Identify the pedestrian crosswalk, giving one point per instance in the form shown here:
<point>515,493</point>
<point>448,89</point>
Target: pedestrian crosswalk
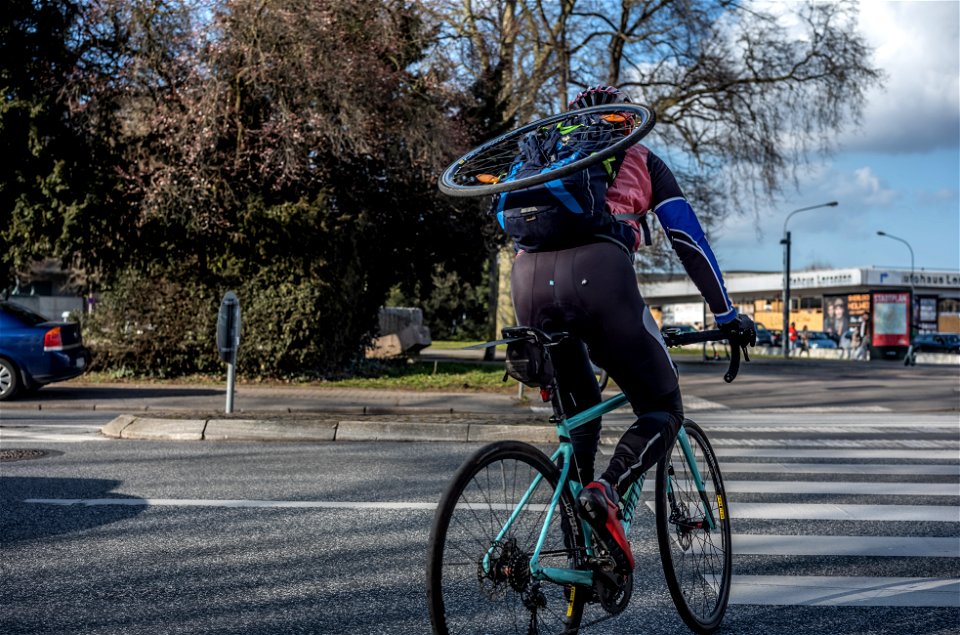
<point>867,517</point>
<point>53,433</point>
<point>815,507</point>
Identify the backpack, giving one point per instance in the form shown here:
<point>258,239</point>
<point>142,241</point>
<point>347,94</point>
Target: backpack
<point>571,210</point>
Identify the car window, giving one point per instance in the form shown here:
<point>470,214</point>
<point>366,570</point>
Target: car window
<point>22,314</point>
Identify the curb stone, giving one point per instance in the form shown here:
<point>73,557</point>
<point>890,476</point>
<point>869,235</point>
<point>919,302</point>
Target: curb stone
<point>147,428</point>
<point>318,430</point>
<point>268,430</point>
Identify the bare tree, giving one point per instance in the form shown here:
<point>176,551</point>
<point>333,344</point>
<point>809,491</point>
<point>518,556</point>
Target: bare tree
<point>744,92</point>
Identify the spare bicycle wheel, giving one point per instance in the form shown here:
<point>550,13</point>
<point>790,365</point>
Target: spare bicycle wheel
<point>601,131</point>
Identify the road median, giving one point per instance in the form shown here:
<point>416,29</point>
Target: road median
<point>325,427</point>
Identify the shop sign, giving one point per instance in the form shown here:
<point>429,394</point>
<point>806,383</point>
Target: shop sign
<point>831,278</point>
<point>900,278</point>
<point>891,322</point>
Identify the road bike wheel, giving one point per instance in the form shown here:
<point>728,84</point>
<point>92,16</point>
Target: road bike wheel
<point>481,171</point>
<point>478,584</point>
<point>696,560</point>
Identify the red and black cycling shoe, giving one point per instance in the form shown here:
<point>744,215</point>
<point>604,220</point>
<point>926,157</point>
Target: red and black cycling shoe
<point>598,506</point>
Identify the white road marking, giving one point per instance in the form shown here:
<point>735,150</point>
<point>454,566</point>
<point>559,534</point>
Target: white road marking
<point>752,420</point>
<point>901,469</point>
<point>843,487</point>
<point>922,444</point>
<point>190,502</point>
<point>763,511</point>
<point>59,433</point>
<point>826,511</point>
<point>830,453</point>
<point>845,591</point>
<point>844,428</point>
<point>898,546</point>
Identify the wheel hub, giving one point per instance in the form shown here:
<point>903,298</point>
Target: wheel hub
<point>506,567</point>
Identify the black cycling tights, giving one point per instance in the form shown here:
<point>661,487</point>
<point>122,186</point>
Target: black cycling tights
<point>591,291</point>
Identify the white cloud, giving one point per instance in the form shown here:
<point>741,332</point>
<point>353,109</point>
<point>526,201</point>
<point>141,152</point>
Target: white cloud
<point>917,44</point>
<point>870,188</point>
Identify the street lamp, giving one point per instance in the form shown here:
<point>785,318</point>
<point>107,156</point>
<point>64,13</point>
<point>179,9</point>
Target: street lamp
<point>785,337</point>
<point>911,255</point>
<point>912,316</point>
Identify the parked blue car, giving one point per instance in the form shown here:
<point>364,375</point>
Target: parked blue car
<point>35,351</point>
<point>937,343</point>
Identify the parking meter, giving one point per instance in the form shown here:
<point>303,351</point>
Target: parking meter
<point>228,328</point>
<point>228,339</point>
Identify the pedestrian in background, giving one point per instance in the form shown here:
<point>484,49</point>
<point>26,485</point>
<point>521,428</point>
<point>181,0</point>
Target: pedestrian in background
<point>863,331</point>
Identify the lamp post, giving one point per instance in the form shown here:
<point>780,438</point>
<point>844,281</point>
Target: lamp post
<point>785,337</point>
<point>911,255</point>
<point>909,359</point>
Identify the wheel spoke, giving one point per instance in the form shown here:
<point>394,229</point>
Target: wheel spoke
<point>696,557</point>
<point>596,139</point>
<point>480,584</point>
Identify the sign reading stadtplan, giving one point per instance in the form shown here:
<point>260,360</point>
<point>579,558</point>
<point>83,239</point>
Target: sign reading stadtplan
<point>891,320</point>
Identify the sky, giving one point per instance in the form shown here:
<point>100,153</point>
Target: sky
<point>899,172</point>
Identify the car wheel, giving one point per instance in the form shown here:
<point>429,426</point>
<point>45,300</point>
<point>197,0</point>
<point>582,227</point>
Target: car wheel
<point>9,380</point>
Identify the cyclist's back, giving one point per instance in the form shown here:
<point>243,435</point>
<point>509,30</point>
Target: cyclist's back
<point>591,290</point>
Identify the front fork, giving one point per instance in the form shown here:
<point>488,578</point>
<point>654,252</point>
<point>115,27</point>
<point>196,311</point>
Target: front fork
<point>691,461</point>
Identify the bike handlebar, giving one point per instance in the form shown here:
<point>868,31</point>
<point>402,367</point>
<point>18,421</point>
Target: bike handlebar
<point>675,338</point>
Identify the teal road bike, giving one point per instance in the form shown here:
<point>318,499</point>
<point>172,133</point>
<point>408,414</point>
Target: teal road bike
<point>509,554</point>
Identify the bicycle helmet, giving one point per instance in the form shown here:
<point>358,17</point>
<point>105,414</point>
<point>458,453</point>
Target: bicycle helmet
<point>597,96</point>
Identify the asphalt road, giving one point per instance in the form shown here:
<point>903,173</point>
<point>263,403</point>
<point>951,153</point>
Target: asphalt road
<point>167,554</point>
<point>766,383</point>
<point>762,384</point>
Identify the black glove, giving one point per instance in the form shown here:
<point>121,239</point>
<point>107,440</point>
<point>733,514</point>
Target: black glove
<point>741,331</point>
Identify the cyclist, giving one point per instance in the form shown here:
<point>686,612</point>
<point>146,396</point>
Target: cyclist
<point>591,291</point>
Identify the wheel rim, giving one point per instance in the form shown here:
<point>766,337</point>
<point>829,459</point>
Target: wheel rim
<point>700,556</point>
<point>491,594</point>
<point>483,171</point>
<point>6,380</point>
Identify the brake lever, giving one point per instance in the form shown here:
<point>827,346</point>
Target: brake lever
<point>734,368</point>
<point>746,355</point>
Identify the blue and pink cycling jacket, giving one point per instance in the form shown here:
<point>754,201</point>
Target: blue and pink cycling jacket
<point>645,183</point>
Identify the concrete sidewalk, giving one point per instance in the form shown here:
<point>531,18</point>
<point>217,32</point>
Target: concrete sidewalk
<point>320,413</point>
<point>271,413</point>
<point>76,395</point>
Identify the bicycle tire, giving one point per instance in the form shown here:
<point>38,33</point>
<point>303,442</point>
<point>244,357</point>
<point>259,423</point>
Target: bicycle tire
<point>700,590</point>
<point>459,179</point>
<point>463,595</point>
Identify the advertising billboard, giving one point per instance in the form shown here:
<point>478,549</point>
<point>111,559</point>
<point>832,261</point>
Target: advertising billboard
<point>925,314</point>
<point>836,320</point>
<point>891,319</point>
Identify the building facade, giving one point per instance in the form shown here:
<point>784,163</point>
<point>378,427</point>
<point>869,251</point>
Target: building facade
<point>829,300</point>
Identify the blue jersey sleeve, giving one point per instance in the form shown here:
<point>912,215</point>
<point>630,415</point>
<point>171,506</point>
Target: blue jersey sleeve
<point>686,236</point>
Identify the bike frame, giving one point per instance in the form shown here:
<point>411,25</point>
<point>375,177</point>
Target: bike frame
<point>630,498</point>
